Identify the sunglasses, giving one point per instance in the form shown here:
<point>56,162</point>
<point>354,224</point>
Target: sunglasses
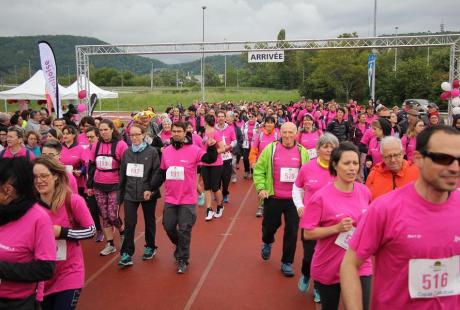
<point>441,158</point>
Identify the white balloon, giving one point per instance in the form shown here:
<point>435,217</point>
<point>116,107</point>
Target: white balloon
<point>446,86</point>
<point>456,110</point>
<point>456,102</point>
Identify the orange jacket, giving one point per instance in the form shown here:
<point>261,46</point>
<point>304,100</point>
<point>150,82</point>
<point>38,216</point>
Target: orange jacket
<point>381,181</point>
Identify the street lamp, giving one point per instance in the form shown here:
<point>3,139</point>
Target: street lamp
<point>396,51</point>
<point>202,61</point>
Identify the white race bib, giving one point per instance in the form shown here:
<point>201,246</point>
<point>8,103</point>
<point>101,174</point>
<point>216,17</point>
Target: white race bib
<point>175,173</point>
<point>430,278</point>
<point>61,250</point>
<point>312,153</point>
<point>69,168</point>
<point>104,162</point>
<point>135,170</point>
<point>226,156</point>
<point>245,144</point>
<point>343,239</point>
<point>289,174</point>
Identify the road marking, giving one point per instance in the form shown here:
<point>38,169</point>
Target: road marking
<point>198,287</point>
<point>110,262</point>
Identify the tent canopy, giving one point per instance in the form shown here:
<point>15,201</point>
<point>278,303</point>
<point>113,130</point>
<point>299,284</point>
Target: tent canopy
<point>32,89</point>
<point>72,91</point>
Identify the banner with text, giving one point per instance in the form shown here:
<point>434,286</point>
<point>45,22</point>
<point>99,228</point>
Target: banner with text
<point>266,56</point>
<point>49,69</point>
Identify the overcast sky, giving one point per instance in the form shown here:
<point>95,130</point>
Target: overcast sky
<point>173,21</point>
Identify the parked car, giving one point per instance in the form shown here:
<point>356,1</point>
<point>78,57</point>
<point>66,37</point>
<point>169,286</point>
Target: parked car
<point>420,104</point>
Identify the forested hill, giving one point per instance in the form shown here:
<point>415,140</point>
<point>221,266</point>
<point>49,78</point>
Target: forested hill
<point>15,53</point>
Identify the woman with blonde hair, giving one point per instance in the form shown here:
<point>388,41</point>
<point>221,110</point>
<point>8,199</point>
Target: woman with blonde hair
<point>72,222</point>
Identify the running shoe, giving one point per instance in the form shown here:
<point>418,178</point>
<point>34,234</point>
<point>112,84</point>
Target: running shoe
<point>109,249</point>
<point>99,236</point>
<point>181,266</point>
<point>234,179</point>
<point>246,175</point>
<point>266,251</point>
<point>149,253</point>
<point>260,211</point>
<point>219,212</point>
<point>316,297</point>
<point>226,200</point>
<point>304,283</point>
<point>286,269</point>
<point>201,199</point>
<point>125,260</point>
<point>209,214</point>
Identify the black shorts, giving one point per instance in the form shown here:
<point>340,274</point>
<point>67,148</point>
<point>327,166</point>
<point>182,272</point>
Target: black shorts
<point>211,177</point>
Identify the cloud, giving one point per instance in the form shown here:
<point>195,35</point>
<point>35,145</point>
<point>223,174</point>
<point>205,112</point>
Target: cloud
<point>159,21</point>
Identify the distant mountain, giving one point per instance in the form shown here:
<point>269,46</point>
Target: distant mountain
<point>217,62</point>
<point>16,52</point>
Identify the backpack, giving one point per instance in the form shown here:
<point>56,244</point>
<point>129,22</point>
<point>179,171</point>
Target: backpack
<point>112,154</point>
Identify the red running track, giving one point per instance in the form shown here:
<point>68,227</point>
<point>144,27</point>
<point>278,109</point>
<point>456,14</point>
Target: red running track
<point>225,271</point>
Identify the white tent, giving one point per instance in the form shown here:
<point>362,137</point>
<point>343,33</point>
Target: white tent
<point>72,91</point>
<point>32,89</point>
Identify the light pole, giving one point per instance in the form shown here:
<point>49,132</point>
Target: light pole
<point>396,51</point>
<point>375,18</point>
<point>202,62</point>
<point>225,69</point>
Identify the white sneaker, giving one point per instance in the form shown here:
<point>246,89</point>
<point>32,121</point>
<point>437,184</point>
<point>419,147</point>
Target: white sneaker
<point>209,214</point>
<point>219,212</point>
<point>234,179</point>
<point>109,249</point>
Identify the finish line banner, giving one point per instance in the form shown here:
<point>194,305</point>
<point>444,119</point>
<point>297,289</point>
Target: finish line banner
<point>268,56</point>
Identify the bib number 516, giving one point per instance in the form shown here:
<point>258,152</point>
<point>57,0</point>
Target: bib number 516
<point>436,281</point>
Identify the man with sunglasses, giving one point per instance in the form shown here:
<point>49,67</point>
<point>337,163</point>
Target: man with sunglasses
<point>393,172</point>
<point>414,234</point>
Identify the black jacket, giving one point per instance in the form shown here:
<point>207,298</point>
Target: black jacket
<point>133,188</point>
<point>341,130</point>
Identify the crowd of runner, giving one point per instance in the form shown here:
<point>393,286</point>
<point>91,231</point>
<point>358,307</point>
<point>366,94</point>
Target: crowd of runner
<point>357,182</point>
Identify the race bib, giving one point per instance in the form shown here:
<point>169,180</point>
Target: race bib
<point>175,173</point>
<point>312,153</point>
<point>135,170</point>
<point>430,278</point>
<point>69,168</point>
<point>245,144</point>
<point>61,250</point>
<point>289,174</point>
<point>104,162</point>
<point>343,239</point>
<point>226,156</point>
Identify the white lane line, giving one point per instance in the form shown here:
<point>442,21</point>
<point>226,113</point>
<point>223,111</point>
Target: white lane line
<point>198,287</point>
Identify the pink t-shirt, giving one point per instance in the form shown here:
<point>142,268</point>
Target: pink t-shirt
<point>21,153</point>
<point>261,139</point>
<point>196,139</point>
<point>309,139</point>
<point>180,191</point>
<point>327,207</point>
<point>72,183</point>
<point>400,226</point>
<point>25,240</point>
<point>282,159</point>
<point>70,273</point>
<point>228,133</point>
<point>374,151</point>
<point>311,178</point>
<point>248,130</point>
<point>370,119</point>
<point>216,135</point>
<point>409,147</point>
<point>75,157</point>
<point>82,139</point>
<point>105,149</point>
<point>165,136</point>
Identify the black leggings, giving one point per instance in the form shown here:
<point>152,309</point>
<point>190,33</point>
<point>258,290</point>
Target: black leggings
<point>308,251</point>
<point>246,160</point>
<point>94,210</point>
<point>226,176</point>
<point>64,300</point>
<point>330,294</point>
<point>211,177</point>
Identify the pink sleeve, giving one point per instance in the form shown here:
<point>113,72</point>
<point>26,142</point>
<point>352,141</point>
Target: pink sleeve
<point>121,148</point>
<point>300,180</point>
<point>81,211</point>
<point>162,163</point>
<point>404,144</point>
<point>217,136</point>
<point>369,233</point>
<point>72,183</point>
<point>44,243</point>
<point>312,215</point>
<point>233,136</point>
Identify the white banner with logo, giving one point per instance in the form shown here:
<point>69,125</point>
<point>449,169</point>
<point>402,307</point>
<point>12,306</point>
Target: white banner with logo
<point>266,56</point>
<point>49,69</point>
